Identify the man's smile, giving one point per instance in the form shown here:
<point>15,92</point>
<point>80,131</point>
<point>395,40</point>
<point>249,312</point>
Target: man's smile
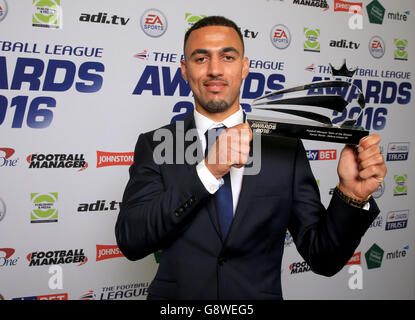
<point>215,86</point>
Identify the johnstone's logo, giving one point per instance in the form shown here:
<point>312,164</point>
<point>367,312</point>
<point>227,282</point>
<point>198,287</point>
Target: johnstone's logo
<point>397,151</point>
<point>106,159</point>
<point>45,258</point>
<point>153,23</point>
<point>330,154</point>
<point>59,161</point>
<point>340,5</point>
<point>108,252</point>
<point>6,159</point>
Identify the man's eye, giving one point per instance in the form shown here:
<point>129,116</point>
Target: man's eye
<point>201,59</point>
<point>229,58</point>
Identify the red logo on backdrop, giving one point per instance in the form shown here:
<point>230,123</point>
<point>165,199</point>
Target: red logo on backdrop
<point>106,159</point>
<point>153,19</point>
<point>327,154</point>
<point>108,252</point>
<point>355,259</point>
<point>376,44</point>
<point>62,296</point>
<point>280,33</point>
<point>8,251</point>
<point>8,152</point>
<point>340,5</point>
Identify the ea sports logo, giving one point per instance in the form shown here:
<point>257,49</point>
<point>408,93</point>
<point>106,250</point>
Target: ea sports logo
<point>280,36</point>
<point>154,23</point>
<point>377,47</point>
<point>3,10</point>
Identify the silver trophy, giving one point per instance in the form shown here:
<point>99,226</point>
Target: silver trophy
<point>294,112</point>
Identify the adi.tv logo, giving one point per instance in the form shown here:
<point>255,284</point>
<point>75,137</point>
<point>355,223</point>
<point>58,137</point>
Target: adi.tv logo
<point>44,207</point>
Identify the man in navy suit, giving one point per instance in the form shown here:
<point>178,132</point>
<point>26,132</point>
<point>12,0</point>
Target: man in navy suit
<point>177,207</point>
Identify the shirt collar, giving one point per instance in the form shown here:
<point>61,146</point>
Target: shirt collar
<point>203,123</point>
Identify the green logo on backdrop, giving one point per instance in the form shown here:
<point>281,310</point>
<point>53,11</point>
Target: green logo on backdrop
<point>311,43</point>
<point>44,207</point>
<point>191,19</point>
<point>400,52</point>
<point>374,257</point>
<point>46,13</point>
<point>401,188</point>
<point>375,12</point>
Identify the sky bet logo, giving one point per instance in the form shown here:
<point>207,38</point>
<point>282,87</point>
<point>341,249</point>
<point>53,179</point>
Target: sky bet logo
<point>330,154</point>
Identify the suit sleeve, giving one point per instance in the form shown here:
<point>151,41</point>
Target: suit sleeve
<point>152,213</point>
<point>326,239</point>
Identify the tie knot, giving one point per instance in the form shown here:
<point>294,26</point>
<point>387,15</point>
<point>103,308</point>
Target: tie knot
<point>211,135</point>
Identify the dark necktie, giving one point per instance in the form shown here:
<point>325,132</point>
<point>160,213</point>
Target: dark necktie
<point>223,197</point>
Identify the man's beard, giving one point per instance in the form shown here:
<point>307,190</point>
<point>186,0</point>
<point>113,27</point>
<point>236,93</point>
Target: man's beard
<point>216,106</point>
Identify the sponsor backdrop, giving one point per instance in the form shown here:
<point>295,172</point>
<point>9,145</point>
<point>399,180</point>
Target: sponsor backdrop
<point>80,80</point>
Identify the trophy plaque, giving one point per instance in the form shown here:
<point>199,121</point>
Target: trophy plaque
<point>306,111</point>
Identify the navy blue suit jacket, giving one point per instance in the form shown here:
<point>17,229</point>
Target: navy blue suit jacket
<point>167,207</point>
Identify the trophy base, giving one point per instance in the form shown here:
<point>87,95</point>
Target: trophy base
<point>307,131</point>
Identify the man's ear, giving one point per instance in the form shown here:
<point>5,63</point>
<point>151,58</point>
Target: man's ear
<point>183,70</point>
<point>245,67</point>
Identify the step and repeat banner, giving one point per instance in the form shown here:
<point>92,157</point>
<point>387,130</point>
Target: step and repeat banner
<point>80,80</point>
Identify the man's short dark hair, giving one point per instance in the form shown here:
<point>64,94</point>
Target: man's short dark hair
<point>214,21</point>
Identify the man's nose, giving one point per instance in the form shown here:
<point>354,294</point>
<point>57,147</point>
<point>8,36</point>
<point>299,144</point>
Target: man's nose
<point>215,67</point>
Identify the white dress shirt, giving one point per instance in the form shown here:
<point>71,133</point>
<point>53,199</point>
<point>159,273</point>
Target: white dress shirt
<point>208,179</point>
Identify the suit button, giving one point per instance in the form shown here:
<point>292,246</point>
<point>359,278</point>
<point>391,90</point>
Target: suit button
<point>179,212</point>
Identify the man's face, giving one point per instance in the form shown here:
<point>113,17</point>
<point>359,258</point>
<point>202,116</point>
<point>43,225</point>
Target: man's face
<point>215,68</point>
